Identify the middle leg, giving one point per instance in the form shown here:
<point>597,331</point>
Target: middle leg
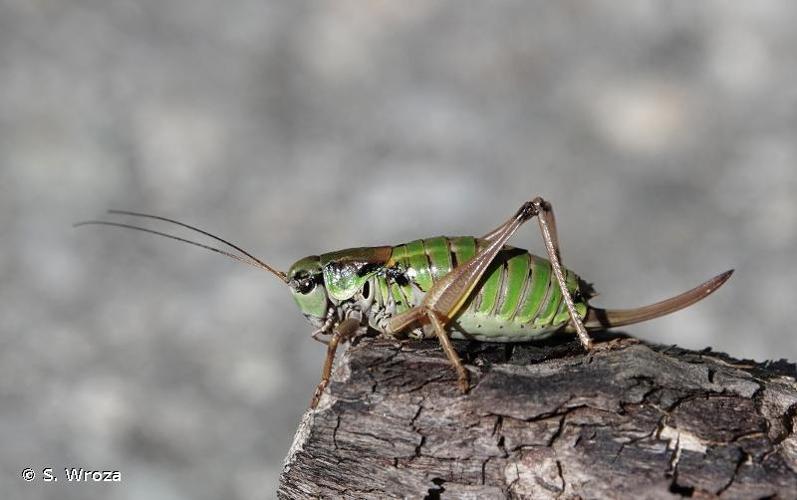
<point>451,353</point>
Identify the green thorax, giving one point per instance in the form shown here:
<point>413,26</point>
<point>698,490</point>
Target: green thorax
<point>347,271</point>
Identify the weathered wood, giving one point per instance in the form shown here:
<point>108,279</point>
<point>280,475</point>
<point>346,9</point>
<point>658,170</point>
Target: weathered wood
<point>630,420</point>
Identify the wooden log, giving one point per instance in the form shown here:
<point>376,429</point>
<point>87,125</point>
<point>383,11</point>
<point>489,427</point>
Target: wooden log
<point>629,420</point>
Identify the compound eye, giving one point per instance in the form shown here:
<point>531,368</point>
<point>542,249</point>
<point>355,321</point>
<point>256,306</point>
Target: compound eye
<point>306,286</point>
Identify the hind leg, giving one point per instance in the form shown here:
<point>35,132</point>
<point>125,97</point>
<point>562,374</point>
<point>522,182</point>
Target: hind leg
<point>447,296</point>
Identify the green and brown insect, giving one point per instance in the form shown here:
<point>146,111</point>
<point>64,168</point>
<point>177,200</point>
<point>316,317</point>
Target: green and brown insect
<point>446,288</point>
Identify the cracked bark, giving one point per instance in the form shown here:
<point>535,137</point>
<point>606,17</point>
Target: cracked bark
<point>630,420</point>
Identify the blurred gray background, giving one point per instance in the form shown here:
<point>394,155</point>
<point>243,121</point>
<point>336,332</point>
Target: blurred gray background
<point>663,133</point>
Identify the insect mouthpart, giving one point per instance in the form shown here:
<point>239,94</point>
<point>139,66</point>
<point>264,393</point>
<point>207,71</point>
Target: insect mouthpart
<point>316,321</point>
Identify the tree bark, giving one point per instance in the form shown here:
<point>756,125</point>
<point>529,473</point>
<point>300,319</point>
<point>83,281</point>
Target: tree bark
<point>629,420</point>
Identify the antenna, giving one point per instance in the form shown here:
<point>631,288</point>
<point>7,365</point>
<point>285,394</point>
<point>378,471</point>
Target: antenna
<point>250,259</point>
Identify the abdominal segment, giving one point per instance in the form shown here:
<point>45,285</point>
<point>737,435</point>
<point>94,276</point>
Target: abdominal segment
<point>517,299</point>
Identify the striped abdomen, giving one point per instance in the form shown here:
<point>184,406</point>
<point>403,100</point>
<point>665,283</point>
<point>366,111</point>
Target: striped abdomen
<point>518,298</point>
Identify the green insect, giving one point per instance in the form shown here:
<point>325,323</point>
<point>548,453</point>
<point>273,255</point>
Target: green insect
<point>446,288</point>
